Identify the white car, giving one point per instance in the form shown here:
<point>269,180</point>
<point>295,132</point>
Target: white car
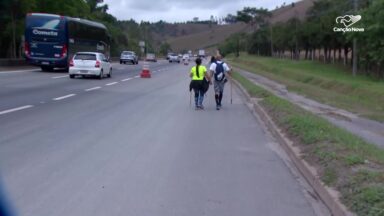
<point>174,58</point>
<point>186,57</point>
<point>90,64</point>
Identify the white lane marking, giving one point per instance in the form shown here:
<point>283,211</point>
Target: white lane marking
<point>15,109</point>
<point>19,71</point>
<point>58,77</point>
<point>123,80</point>
<point>112,83</point>
<point>137,76</point>
<point>63,97</point>
<point>94,88</point>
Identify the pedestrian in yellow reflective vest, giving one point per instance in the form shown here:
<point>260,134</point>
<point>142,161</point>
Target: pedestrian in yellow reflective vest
<point>198,73</point>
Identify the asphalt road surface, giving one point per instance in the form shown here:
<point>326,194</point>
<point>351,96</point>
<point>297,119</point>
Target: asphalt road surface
<point>132,146</point>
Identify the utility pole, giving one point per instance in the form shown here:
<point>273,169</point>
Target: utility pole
<point>271,41</point>
<point>297,55</point>
<point>238,46</point>
<point>354,66</point>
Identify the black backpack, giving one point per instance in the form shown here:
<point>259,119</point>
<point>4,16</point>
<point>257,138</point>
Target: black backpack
<point>219,72</point>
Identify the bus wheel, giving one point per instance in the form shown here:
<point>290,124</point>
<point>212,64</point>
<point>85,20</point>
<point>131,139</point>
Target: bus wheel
<point>46,68</point>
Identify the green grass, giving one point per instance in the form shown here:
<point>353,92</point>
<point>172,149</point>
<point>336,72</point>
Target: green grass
<point>325,83</point>
<point>344,161</point>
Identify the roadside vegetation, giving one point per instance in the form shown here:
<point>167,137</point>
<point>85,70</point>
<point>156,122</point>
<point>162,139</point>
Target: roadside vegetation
<point>325,83</point>
<point>125,34</point>
<point>313,38</point>
<point>344,161</point>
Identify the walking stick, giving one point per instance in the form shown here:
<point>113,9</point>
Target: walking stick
<point>231,88</point>
<point>190,99</point>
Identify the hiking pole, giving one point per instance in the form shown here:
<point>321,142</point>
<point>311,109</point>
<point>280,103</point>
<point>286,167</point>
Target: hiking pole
<point>231,88</point>
<point>190,99</point>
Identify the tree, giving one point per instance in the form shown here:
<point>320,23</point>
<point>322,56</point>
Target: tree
<point>12,15</point>
<point>165,48</point>
<point>372,51</point>
<point>254,16</point>
<point>230,19</point>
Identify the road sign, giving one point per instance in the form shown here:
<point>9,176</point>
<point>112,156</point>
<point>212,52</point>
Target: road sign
<point>142,43</point>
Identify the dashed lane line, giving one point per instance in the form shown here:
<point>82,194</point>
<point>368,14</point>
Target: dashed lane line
<point>94,88</point>
<point>137,76</point>
<point>58,77</point>
<point>63,97</point>
<point>123,80</point>
<point>112,83</point>
<point>15,109</point>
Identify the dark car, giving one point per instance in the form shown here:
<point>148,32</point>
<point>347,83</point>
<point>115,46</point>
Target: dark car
<point>129,56</point>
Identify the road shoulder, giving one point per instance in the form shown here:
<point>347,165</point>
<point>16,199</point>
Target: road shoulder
<point>330,196</point>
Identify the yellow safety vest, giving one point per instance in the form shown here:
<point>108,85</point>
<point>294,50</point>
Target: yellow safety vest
<point>202,71</point>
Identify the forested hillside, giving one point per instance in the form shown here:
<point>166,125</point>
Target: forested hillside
<point>312,36</point>
<point>124,34</point>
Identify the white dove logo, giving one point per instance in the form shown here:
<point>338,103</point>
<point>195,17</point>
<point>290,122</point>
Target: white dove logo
<point>348,20</point>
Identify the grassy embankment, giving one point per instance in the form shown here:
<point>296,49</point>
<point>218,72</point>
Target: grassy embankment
<point>352,166</point>
<point>328,84</point>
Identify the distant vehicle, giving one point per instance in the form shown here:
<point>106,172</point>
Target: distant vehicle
<point>174,58</point>
<point>90,64</point>
<point>151,57</point>
<point>51,40</point>
<point>201,53</point>
<point>128,56</point>
<point>168,55</point>
<point>180,56</point>
<point>195,55</point>
<point>186,57</point>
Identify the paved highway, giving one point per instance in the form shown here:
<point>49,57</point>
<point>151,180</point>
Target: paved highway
<point>132,146</point>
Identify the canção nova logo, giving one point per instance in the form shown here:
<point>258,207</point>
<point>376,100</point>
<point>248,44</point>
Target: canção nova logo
<point>348,21</point>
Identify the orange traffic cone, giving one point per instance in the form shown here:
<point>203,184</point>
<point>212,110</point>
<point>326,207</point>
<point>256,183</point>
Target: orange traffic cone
<point>145,73</point>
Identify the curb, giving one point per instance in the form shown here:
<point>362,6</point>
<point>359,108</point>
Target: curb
<point>329,196</point>
<point>17,71</point>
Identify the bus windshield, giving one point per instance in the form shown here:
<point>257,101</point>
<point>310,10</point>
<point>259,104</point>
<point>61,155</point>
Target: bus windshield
<point>45,22</point>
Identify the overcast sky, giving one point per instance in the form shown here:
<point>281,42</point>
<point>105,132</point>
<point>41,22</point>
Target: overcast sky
<point>182,10</point>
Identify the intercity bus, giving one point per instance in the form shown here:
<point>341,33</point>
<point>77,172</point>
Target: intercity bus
<point>51,40</point>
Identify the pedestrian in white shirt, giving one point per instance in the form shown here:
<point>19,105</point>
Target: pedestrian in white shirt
<point>219,70</point>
